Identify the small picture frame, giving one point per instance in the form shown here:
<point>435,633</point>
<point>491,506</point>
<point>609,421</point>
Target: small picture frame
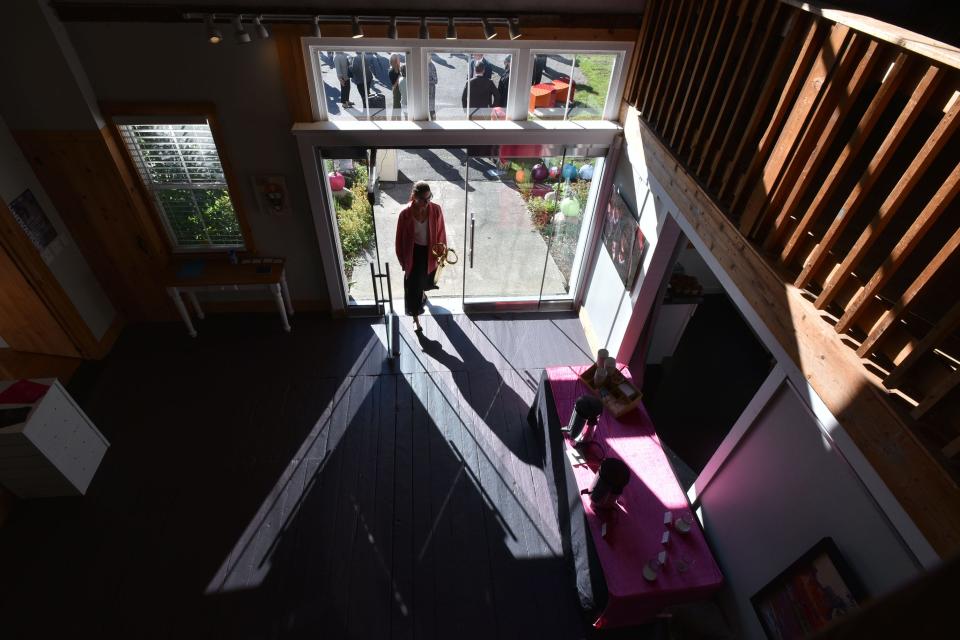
<point>272,195</point>
<point>809,595</point>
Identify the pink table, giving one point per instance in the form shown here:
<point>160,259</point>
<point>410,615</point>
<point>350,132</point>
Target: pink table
<point>635,530</point>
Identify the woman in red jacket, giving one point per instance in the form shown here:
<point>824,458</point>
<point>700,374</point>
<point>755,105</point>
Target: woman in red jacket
<point>419,228</point>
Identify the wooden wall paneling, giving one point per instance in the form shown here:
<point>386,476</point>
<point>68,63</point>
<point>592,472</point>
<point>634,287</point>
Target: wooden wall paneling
<point>843,96</point>
<point>748,19</point>
<point>669,71</point>
<point>114,231</point>
<point>799,64</point>
<point>944,327</point>
<point>19,364</point>
<point>897,196</point>
<point>790,142</point>
<point>698,74</point>
<point>38,275</point>
<point>685,77</point>
<point>925,90</point>
<point>638,61</point>
<point>936,394</point>
<point>26,323</point>
<point>889,88</point>
<point>751,77</point>
<point>719,42</point>
<point>926,493</point>
<point>293,72</point>
<point>916,288</point>
<point>657,71</point>
<point>653,15</point>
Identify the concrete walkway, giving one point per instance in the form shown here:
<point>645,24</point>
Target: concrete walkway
<point>509,253</point>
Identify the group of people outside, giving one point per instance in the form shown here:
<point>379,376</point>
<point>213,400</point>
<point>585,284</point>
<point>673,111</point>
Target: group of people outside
<point>481,96</point>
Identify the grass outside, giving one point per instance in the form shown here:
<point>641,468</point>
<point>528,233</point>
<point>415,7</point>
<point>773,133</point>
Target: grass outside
<point>591,95</point>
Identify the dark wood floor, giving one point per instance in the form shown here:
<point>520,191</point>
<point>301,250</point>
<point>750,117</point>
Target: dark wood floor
<point>261,485</point>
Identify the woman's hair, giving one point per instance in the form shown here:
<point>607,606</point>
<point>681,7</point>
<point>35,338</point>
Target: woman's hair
<point>395,60</point>
<point>419,189</point>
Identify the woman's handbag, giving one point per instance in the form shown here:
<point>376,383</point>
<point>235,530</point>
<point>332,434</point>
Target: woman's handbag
<point>444,256</point>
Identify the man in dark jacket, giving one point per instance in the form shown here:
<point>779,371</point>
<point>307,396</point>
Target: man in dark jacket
<point>483,94</point>
<point>503,87</point>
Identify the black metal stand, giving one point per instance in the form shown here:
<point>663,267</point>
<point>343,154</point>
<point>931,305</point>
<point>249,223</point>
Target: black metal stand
<point>391,321</point>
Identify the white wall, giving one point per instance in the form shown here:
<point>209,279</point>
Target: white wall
<point>694,265</point>
<point>609,309</point>
<point>174,63</point>
<point>63,257</point>
<point>782,488</point>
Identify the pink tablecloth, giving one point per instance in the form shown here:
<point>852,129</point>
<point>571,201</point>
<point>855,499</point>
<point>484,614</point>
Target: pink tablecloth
<point>635,532</point>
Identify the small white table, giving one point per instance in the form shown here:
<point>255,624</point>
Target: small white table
<point>185,275</point>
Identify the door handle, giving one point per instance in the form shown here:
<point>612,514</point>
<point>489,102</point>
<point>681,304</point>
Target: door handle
<point>473,228</point>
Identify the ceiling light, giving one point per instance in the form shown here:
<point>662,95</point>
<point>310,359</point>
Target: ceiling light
<point>261,30</point>
<point>392,29</point>
<point>316,26</point>
<point>424,32</point>
<point>213,34</point>
<point>357,30</point>
<point>514,26</point>
<point>240,34</point>
<point>488,31</point>
<point>451,30</point>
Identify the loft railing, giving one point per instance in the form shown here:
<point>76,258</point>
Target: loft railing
<point>834,150</point>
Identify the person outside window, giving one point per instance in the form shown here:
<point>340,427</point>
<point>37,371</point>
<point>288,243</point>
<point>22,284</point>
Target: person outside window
<point>503,86</point>
<point>482,92</point>
<point>476,60</point>
<point>362,71</point>
<point>420,227</point>
<point>341,63</point>
<point>395,83</point>
<point>432,79</point>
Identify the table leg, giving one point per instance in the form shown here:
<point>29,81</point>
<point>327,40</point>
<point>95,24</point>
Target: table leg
<point>182,309</point>
<point>281,307</point>
<point>192,297</point>
<point>286,293</point>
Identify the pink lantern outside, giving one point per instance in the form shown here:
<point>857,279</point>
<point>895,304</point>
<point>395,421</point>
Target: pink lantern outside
<point>337,181</point>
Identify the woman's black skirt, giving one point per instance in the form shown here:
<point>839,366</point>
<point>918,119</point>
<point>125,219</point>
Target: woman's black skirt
<point>417,282</point>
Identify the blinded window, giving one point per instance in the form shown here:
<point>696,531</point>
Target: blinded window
<point>180,165</point>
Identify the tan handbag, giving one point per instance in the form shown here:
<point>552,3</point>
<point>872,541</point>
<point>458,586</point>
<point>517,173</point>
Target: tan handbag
<point>444,256</point>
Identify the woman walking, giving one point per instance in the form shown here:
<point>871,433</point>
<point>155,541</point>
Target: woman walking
<point>419,228</point>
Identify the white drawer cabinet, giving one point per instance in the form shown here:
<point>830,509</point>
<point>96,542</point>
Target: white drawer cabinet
<point>54,451</point>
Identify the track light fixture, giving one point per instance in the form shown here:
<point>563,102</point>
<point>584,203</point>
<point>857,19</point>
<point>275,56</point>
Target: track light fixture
<point>261,30</point>
<point>424,32</point>
<point>488,31</point>
<point>392,29</point>
<point>240,34</point>
<point>316,26</point>
<point>213,34</point>
<point>357,30</point>
<point>514,27</point>
<point>451,29</point>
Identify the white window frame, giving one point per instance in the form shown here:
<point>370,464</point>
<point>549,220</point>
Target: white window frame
<point>522,52</point>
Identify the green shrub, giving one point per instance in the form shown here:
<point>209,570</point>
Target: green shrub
<point>355,219</point>
<point>541,212</point>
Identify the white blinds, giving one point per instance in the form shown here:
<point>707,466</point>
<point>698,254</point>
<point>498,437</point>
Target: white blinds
<point>179,163</point>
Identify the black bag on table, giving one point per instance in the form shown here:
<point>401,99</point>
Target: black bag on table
<point>376,101</point>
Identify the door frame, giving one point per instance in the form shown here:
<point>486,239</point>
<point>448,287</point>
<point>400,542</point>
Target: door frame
<point>400,135</point>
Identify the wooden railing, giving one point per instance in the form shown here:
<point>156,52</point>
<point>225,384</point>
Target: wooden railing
<point>833,148</point>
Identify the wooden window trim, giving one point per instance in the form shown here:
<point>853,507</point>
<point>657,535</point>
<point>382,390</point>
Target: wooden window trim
<point>113,110</point>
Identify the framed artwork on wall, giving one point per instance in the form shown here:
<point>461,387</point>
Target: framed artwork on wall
<point>623,239</point>
<point>813,592</point>
<point>272,196</point>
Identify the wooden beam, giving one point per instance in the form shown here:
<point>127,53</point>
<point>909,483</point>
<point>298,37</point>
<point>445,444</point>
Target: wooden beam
<point>718,42</point>
<point>923,93</point>
<point>916,480</point>
<point>816,84</point>
<point>293,73</point>
<point>656,70</point>
<point>937,140</point>
<point>755,56</point>
<point>800,63</point>
<point>847,157</point>
<point>686,72</point>
<point>936,394</point>
<point>653,10</point>
<point>736,51</point>
<point>697,75</point>
<point>843,98</point>
<point>786,56</point>
<point>944,327</point>
<point>916,288</point>
<point>632,89</point>
<point>904,247</point>
<point>667,69</point>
